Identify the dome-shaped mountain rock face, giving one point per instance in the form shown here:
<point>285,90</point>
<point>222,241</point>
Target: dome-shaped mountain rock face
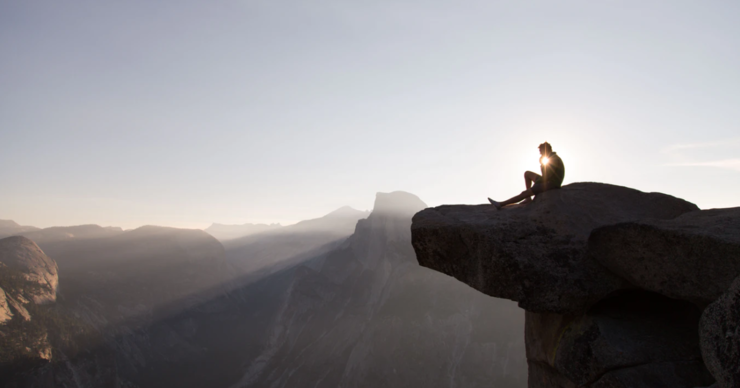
<point>388,223</point>
<point>21,254</point>
<point>389,208</point>
<point>399,203</point>
<point>614,282</point>
<point>535,254</point>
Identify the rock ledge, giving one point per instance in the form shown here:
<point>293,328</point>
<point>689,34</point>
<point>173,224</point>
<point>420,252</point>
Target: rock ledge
<point>614,282</point>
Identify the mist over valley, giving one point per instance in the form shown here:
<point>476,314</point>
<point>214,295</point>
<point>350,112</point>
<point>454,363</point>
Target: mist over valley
<point>334,301</point>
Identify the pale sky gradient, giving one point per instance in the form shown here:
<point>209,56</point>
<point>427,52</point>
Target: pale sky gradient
<point>183,113</point>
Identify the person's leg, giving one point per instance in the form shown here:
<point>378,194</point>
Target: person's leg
<point>526,195</point>
<point>529,178</point>
<point>523,195</point>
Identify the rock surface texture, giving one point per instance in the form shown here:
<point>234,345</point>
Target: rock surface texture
<point>720,337</point>
<point>693,257</point>
<point>28,280</point>
<point>536,254</point>
<point>21,254</point>
<point>614,282</point>
<point>5,313</point>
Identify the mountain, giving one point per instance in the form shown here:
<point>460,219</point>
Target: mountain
<point>230,232</point>
<point>28,281</point>
<point>116,301</point>
<point>366,315</point>
<point>19,254</point>
<point>145,308</point>
<point>11,228</point>
<point>261,254</point>
<point>144,269</point>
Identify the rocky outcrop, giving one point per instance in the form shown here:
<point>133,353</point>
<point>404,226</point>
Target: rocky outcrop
<point>23,255</point>
<point>720,337</point>
<point>28,280</point>
<point>634,330</point>
<point>5,313</point>
<point>18,306</point>
<point>693,257</point>
<point>613,280</point>
<point>536,254</point>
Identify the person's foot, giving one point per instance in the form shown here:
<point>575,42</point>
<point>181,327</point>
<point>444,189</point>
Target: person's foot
<point>495,204</point>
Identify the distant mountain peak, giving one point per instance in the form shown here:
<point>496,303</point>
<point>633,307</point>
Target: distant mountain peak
<point>10,227</point>
<point>8,224</point>
<point>400,202</point>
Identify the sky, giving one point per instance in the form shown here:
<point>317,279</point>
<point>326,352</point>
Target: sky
<point>183,113</point>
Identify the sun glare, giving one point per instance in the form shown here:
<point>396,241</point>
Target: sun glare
<point>545,160</point>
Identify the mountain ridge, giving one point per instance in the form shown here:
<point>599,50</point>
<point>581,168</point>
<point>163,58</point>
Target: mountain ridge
<point>10,228</point>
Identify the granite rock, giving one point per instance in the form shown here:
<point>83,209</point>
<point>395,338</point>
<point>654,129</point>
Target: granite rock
<point>536,254</point>
<point>720,337</point>
<point>693,257</point>
<point>23,255</point>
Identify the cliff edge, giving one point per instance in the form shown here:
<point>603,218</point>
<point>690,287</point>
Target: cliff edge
<point>614,280</point>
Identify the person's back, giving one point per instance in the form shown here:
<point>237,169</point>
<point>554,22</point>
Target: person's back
<point>553,171</point>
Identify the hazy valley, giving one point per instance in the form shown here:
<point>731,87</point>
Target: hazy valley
<point>334,301</point>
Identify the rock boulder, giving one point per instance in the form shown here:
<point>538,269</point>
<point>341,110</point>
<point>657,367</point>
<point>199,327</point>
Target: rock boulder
<point>536,254</point>
<point>692,257</point>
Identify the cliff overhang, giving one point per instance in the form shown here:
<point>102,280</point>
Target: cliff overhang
<point>594,265</point>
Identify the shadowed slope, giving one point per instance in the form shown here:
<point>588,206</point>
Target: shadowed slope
<point>368,316</point>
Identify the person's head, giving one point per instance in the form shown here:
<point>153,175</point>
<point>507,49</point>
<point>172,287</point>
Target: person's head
<point>545,149</point>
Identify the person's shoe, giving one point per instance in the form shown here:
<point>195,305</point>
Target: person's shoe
<point>495,204</point>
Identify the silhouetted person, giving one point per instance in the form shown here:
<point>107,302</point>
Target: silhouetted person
<point>553,172</point>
